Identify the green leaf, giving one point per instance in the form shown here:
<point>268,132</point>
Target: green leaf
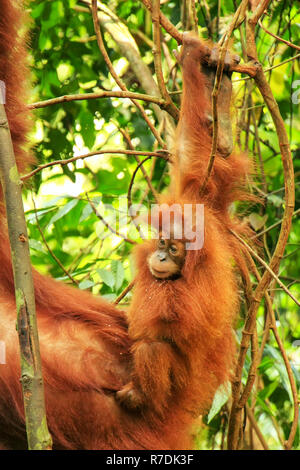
<point>107,277</point>
<point>264,407</point>
<point>71,174</point>
<point>220,398</point>
<point>280,367</point>
<point>86,284</point>
<point>44,42</point>
<point>37,10</point>
<point>266,364</point>
<point>64,210</point>
<point>37,245</point>
<point>87,211</point>
<point>118,271</point>
<point>276,200</point>
<point>267,391</point>
<point>40,213</point>
<point>86,120</point>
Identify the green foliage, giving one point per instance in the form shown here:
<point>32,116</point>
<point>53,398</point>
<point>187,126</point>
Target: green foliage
<point>66,60</point>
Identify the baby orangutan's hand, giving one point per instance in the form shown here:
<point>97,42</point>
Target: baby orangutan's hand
<point>130,397</point>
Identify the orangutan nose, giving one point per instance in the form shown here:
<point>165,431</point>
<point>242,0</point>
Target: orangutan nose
<point>162,256</point>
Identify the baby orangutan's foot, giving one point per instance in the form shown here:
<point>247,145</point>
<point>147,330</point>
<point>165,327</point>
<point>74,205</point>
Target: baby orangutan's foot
<point>130,397</point>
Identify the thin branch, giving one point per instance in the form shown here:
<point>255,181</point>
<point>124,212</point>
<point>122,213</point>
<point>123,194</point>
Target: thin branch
<point>189,19</point>
<point>271,324</point>
<point>131,147</point>
<point>257,235</point>
<point>129,198</point>
<point>253,253</point>
<point>253,367</point>
<point>170,106</point>
<point>288,43</point>
<point>115,75</point>
<point>150,186</point>
<point>124,293</point>
<point>113,230</point>
<point>260,158</point>
<point>48,247</point>
<point>162,154</point>
<point>256,428</point>
<point>194,16</point>
<point>166,24</point>
<point>100,94</point>
<point>207,17</point>
<point>235,423</point>
<point>127,45</point>
<point>268,69</point>
<point>120,82</point>
<point>259,11</point>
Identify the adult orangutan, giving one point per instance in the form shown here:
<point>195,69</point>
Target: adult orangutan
<point>180,344</point>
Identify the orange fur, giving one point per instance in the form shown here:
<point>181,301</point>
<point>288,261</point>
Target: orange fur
<point>193,141</point>
<point>14,74</point>
<point>84,342</point>
<point>183,329</point>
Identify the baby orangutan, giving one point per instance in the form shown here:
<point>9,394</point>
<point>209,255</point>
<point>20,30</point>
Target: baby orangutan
<point>180,321</point>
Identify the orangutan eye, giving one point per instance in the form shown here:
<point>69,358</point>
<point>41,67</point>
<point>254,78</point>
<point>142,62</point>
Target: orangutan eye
<point>161,243</point>
<point>173,249</point>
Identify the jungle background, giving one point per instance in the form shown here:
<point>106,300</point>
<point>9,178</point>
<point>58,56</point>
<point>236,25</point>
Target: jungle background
<point>71,206</point>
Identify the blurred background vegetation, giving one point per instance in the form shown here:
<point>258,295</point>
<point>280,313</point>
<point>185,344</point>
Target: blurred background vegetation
<point>70,242</point>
